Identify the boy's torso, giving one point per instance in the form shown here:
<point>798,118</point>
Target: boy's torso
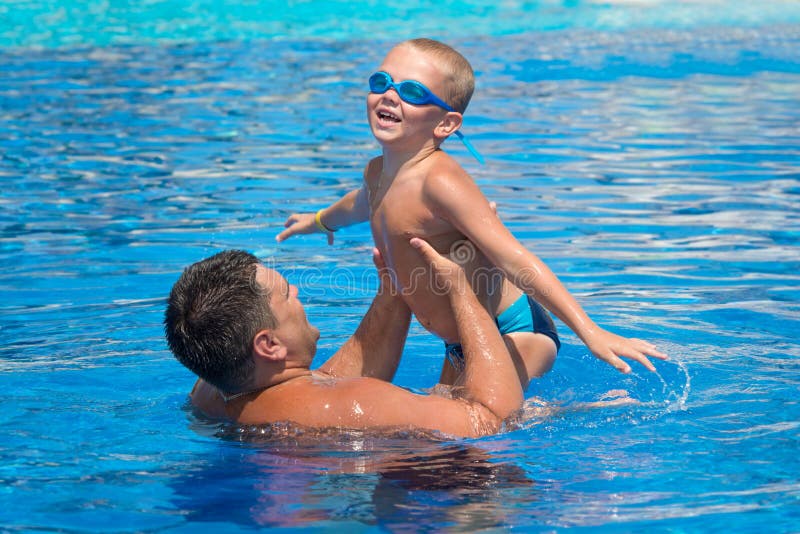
<point>398,212</point>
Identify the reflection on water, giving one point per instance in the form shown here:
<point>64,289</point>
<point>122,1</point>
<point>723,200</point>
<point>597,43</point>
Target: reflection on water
<point>283,475</point>
<point>397,483</point>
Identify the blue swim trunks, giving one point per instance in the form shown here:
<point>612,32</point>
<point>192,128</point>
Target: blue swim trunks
<point>525,315</point>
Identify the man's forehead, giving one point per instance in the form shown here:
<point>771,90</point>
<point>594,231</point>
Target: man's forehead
<point>268,278</point>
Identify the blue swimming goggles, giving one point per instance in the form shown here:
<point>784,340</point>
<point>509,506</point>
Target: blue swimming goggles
<point>415,93</point>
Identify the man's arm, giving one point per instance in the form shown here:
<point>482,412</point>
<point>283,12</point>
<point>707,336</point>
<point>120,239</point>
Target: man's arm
<point>491,390</point>
<point>491,377</point>
<point>376,346</point>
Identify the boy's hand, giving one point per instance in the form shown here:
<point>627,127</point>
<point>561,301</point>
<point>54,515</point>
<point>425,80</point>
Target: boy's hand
<point>611,348</point>
<point>301,223</point>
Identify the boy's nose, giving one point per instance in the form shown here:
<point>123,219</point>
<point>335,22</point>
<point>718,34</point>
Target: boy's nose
<point>391,95</point>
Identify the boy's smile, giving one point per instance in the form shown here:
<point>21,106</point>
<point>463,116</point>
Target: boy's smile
<point>403,109</point>
<point>391,119</point>
<point>387,116</point>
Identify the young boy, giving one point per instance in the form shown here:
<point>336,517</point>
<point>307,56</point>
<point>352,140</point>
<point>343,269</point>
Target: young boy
<point>417,99</point>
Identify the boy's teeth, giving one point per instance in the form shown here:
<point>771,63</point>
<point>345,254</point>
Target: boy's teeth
<point>388,116</point>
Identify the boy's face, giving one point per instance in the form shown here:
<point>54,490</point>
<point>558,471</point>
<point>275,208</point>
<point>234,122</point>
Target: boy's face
<point>398,123</point>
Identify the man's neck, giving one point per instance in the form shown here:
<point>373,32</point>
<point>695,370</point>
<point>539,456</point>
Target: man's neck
<point>266,380</point>
<point>277,378</point>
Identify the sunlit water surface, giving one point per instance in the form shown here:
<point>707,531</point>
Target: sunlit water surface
<point>657,172</point>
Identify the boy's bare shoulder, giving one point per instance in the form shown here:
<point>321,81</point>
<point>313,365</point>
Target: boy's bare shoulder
<point>373,169</point>
<point>447,178</point>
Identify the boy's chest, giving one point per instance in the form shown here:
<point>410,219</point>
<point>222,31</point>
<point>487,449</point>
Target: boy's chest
<point>401,211</point>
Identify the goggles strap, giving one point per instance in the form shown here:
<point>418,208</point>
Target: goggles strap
<point>470,147</point>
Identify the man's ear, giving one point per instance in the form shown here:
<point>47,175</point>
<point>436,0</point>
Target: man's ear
<point>449,124</point>
<point>267,345</point>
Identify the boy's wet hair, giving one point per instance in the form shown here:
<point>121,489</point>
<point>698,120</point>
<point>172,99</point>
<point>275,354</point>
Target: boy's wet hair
<point>213,313</point>
<point>460,82</point>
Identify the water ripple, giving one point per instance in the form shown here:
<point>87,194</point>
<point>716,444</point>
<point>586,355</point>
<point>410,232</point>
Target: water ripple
<point>657,173</point>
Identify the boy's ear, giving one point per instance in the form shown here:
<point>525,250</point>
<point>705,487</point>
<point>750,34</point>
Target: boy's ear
<point>449,124</point>
<point>267,345</point>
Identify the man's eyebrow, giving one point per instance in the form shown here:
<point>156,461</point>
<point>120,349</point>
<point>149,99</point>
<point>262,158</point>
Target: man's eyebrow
<point>288,288</point>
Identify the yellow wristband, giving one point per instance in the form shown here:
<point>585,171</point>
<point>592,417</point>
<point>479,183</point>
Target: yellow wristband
<point>320,224</point>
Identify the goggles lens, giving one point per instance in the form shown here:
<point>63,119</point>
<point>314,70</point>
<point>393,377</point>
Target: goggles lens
<point>410,91</point>
<point>415,93</point>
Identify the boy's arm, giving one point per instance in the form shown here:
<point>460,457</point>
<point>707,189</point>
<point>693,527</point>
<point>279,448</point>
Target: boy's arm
<point>352,208</point>
<point>376,346</point>
<point>457,199</point>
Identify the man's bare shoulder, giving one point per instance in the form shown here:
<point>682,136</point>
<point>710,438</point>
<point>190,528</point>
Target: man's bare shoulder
<point>208,400</point>
<point>322,401</point>
<point>316,400</point>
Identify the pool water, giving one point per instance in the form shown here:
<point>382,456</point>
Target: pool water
<point>648,152</point>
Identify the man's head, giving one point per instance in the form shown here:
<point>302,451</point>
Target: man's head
<point>227,310</point>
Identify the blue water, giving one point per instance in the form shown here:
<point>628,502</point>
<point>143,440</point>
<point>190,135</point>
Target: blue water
<point>648,151</point>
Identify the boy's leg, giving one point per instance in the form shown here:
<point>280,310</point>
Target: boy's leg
<point>533,354</point>
<point>453,366</point>
<point>449,374</point>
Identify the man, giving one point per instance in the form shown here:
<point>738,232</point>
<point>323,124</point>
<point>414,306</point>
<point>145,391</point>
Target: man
<point>239,326</point>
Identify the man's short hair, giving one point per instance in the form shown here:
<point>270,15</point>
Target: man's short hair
<point>460,76</point>
<point>213,313</point>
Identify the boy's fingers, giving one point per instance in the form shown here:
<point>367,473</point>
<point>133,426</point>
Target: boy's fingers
<point>286,234</point>
<point>641,358</point>
<point>647,348</point>
<point>620,365</point>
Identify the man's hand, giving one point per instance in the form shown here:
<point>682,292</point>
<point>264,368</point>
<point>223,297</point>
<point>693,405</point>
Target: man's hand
<point>301,223</point>
<point>385,274</point>
<point>449,276</point>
